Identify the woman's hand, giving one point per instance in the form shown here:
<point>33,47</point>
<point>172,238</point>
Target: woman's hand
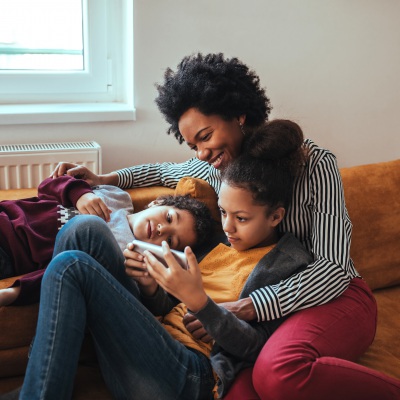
<point>77,171</point>
<point>136,269</point>
<point>184,284</point>
<point>195,327</point>
<point>243,308</point>
<point>8,296</point>
<point>91,204</point>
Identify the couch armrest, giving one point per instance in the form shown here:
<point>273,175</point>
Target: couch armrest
<point>372,200</point>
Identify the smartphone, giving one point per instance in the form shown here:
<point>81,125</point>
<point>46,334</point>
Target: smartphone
<point>157,251</point>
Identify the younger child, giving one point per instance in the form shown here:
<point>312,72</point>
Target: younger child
<point>28,227</point>
<point>141,358</point>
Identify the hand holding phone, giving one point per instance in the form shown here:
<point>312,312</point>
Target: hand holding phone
<point>183,283</point>
<point>157,251</point>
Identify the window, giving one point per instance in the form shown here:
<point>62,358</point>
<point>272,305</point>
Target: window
<point>25,39</point>
<point>66,61</point>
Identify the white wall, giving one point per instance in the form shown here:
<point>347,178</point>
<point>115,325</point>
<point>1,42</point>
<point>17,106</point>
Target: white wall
<point>332,66</point>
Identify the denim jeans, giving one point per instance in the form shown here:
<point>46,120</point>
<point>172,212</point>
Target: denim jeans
<point>87,288</point>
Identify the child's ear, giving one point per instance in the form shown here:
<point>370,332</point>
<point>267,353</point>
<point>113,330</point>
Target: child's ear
<point>277,216</point>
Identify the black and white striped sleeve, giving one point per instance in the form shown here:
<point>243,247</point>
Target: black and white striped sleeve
<point>328,227</point>
<point>166,174</point>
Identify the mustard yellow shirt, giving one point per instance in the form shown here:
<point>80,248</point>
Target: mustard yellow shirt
<point>224,271</point>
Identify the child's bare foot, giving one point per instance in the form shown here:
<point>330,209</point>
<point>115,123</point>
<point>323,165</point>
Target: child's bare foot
<point>8,296</point>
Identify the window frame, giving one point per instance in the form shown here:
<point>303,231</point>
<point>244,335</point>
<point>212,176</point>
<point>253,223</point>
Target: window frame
<point>106,85</point>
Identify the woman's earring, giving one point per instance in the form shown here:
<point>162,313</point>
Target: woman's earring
<point>242,129</point>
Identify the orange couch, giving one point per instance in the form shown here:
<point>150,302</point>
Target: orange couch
<point>372,199</point>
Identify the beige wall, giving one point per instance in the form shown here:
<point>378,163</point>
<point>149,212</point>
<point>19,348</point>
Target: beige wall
<point>331,65</point>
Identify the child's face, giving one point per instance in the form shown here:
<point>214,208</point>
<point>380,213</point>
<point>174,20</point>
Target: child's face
<point>245,224</point>
<point>158,223</point>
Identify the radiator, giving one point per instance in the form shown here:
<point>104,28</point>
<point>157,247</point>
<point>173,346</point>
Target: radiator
<point>26,165</point>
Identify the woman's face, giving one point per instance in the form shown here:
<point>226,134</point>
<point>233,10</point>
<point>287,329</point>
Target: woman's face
<point>214,140</point>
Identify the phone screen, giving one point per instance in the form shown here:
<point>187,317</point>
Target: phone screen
<point>157,251</point>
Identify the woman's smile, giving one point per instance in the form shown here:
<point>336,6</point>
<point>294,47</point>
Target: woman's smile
<point>214,139</point>
<point>217,161</point>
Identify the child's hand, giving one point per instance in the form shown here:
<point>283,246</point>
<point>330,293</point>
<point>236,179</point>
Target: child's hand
<point>136,269</point>
<point>184,284</point>
<point>8,296</point>
<point>91,204</point>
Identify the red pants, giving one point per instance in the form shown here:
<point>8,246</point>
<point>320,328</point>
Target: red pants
<point>311,355</point>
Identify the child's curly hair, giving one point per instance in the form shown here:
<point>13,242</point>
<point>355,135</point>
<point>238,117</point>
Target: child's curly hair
<point>204,223</point>
<point>215,86</point>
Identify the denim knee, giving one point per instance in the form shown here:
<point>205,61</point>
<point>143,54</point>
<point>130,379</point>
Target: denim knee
<point>82,233</point>
<point>91,223</point>
<point>61,262</point>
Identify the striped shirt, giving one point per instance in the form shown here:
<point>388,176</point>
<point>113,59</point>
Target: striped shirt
<point>317,216</point>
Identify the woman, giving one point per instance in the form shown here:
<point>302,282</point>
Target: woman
<point>211,103</point>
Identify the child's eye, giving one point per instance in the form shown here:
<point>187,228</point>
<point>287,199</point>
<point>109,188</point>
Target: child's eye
<point>194,148</point>
<point>223,212</point>
<point>241,219</point>
<point>169,241</point>
<point>169,218</point>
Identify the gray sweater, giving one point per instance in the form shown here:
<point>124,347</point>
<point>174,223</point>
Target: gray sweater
<point>120,202</point>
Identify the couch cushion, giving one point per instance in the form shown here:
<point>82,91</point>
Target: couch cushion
<point>373,203</point>
<point>201,190</point>
<point>384,353</point>
<point>21,321</point>
<point>141,197</point>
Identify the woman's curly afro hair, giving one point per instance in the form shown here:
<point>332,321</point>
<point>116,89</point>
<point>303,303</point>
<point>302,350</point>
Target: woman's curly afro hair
<point>215,86</point>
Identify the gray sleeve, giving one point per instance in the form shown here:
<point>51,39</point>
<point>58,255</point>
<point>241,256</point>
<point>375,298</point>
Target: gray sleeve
<point>241,339</point>
<point>160,303</point>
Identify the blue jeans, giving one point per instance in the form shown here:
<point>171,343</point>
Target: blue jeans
<point>90,290</point>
